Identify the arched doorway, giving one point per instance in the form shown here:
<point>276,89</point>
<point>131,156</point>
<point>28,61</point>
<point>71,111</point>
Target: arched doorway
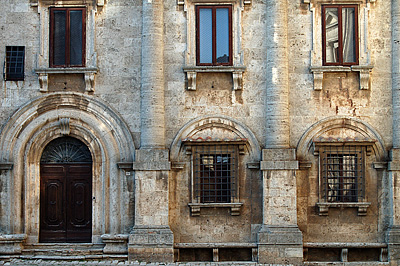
<point>66,192</point>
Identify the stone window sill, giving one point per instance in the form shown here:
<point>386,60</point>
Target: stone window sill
<point>323,207</point>
<point>182,2</point>
<point>235,207</point>
<point>88,72</point>
<point>364,71</point>
<point>237,74</point>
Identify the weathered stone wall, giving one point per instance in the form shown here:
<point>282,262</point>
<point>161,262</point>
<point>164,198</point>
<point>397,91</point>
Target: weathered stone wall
<point>134,117</point>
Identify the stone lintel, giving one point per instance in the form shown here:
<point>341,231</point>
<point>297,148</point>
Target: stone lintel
<point>11,244</point>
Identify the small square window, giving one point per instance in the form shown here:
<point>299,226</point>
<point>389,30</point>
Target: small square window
<point>214,35</point>
<point>67,37</point>
<point>340,34</point>
<point>215,173</point>
<point>342,172</point>
<point>14,63</point>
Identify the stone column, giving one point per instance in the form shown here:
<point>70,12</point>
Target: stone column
<point>151,238</point>
<point>393,234</point>
<point>279,240</point>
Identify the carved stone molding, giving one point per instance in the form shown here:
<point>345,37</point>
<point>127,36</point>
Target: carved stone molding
<point>235,207</point>
<point>183,2</point>
<point>362,207</point>
<point>64,125</point>
<point>364,72</point>
<point>237,74</point>
<point>89,73</point>
<point>35,3</point>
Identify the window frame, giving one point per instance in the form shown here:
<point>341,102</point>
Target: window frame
<point>340,35</point>
<point>67,39</point>
<point>214,150</point>
<point>336,151</point>
<point>214,42</point>
<point>11,59</point>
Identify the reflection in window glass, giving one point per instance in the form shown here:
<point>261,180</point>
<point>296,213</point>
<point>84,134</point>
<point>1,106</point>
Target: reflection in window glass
<point>205,32</point>
<point>349,36</point>
<point>332,35</point>
<point>340,35</point>
<point>222,30</point>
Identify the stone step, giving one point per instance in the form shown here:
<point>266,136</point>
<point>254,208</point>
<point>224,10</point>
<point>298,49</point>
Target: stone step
<point>63,249</point>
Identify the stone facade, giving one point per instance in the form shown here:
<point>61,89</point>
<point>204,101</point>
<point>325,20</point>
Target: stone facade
<point>147,109</point>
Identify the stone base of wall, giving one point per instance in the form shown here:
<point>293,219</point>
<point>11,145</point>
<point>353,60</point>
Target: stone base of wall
<point>11,244</point>
<point>393,239</point>
<point>280,244</point>
<point>151,244</point>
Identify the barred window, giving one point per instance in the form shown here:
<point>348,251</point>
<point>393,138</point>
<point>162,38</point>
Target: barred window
<point>215,173</point>
<point>342,172</point>
<point>14,63</point>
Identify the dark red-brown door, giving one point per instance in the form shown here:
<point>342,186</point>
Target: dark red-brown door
<point>66,203</point>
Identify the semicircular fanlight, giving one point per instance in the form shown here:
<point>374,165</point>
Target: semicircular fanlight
<point>66,150</point>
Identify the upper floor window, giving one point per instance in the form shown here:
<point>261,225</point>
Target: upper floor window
<point>14,63</point>
<point>342,173</point>
<point>214,35</point>
<point>340,34</point>
<point>67,37</point>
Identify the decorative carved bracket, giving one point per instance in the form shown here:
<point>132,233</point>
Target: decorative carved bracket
<point>237,74</point>
<point>364,72</point>
<point>362,207</point>
<point>89,73</point>
<point>89,82</point>
<point>43,82</point>
<point>235,207</point>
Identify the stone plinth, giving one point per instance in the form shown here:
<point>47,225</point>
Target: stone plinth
<point>11,244</point>
<point>151,244</point>
<point>115,244</point>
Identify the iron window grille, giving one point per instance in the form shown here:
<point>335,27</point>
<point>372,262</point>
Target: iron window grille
<point>214,35</point>
<point>14,63</point>
<point>67,37</point>
<point>342,172</point>
<point>340,35</point>
<point>215,173</point>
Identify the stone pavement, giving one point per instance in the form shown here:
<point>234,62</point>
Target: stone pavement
<point>40,262</point>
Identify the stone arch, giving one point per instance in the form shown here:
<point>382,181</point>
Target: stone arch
<point>228,128</point>
<point>37,123</point>
<point>357,126</point>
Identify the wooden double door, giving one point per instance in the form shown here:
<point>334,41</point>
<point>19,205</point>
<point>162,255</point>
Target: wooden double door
<point>66,203</point>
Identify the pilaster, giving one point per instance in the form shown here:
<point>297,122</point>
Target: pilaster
<point>279,240</point>
<point>393,234</point>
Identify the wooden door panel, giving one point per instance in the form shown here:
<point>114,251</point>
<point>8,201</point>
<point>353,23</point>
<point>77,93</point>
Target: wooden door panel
<point>66,205</point>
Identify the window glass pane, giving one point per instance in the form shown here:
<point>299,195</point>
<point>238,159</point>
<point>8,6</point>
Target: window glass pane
<point>205,35</point>
<point>76,37</point>
<point>349,34</point>
<point>331,35</point>
<point>222,32</point>
<point>59,37</point>
<point>15,56</point>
